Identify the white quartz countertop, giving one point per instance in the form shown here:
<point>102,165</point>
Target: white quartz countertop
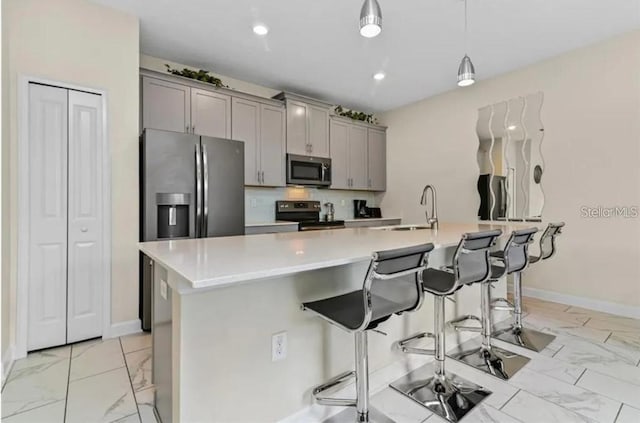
<point>220,262</point>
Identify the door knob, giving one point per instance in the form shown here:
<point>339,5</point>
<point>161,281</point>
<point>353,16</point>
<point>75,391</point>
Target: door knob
<point>84,229</point>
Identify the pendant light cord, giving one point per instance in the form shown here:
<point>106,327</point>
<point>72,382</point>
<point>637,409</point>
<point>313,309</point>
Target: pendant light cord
<point>466,41</point>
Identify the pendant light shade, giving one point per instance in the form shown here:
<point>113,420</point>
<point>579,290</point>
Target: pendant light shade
<point>370,19</point>
<point>466,72</point>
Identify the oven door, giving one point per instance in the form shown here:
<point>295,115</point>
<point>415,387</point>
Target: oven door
<point>306,170</point>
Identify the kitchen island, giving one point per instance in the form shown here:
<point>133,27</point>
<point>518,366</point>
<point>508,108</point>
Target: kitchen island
<point>218,301</point>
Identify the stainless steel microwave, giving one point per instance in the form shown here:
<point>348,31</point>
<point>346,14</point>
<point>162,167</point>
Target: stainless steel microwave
<point>307,170</point>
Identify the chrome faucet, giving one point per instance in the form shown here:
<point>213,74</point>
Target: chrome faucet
<point>432,218</point>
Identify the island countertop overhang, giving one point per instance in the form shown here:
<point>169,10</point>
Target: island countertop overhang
<point>209,263</point>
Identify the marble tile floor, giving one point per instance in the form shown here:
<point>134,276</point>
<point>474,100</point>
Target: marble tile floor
<point>92,381</point>
<point>590,373</point>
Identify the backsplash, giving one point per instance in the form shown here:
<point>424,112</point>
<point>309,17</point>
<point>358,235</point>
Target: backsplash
<point>260,202</point>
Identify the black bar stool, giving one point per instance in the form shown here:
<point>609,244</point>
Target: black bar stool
<point>515,333</point>
<point>444,393</point>
<point>400,272</point>
<point>481,354</point>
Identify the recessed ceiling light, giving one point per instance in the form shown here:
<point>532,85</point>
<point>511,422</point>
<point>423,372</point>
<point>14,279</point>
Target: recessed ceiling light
<point>511,127</point>
<point>379,76</point>
<point>260,30</point>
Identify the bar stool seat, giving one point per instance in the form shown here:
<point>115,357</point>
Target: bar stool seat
<point>347,309</point>
<point>362,310</point>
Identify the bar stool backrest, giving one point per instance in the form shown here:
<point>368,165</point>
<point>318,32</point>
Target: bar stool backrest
<point>471,262</point>
<point>548,240</point>
<point>400,272</point>
<point>516,250</point>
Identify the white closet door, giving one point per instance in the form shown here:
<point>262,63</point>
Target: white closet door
<point>86,264</point>
<point>47,275</point>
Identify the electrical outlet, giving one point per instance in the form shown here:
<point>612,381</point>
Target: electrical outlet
<point>342,203</point>
<point>254,203</point>
<point>163,289</point>
<point>279,346</point>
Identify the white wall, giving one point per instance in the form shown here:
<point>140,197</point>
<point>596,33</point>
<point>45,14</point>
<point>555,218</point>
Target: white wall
<point>83,43</point>
<point>591,149</point>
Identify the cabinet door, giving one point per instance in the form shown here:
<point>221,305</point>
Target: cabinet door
<point>297,140</point>
<point>339,155</point>
<point>358,161</point>
<point>318,130</point>
<point>165,105</point>
<point>272,145</point>
<point>210,113</point>
<point>246,127</point>
<point>47,195</point>
<point>377,160</point>
<point>85,239</point>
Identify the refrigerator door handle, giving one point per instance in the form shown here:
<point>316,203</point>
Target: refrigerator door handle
<point>205,178</point>
<point>198,192</point>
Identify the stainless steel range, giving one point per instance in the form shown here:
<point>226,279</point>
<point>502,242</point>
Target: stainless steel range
<point>307,214</point>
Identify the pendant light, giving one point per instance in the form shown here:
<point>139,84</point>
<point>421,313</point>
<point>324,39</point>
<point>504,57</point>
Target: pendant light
<point>466,71</point>
<point>370,19</point>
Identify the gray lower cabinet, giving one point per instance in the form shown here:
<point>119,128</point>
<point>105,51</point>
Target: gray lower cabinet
<point>262,128</point>
<point>358,156</point>
<point>176,107</point>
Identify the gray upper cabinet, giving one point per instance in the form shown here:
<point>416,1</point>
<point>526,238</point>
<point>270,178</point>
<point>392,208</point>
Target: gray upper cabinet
<point>297,142</point>
<point>339,135</point>
<point>180,108</point>
<point>272,145</point>
<point>318,118</point>
<point>358,155</point>
<point>262,128</point>
<point>307,125</point>
<point>377,152</point>
<point>166,105</point>
<point>210,113</point>
<point>246,127</point>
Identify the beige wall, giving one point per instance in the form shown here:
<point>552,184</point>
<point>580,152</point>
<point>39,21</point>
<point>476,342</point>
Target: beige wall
<point>83,43</point>
<point>158,64</point>
<point>591,115</point>
<point>4,233</point>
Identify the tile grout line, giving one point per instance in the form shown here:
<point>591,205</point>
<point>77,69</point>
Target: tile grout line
<point>133,391</point>
<point>510,398</point>
<point>66,396</point>
<point>580,377</point>
<point>97,374</point>
<point>605,341</point>
<point>618,413</point>
<point>557,351</point>
<point>587,321</point>
<point>31,409</point>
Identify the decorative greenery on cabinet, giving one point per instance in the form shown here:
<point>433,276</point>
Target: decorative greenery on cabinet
<point>200,75</point>
<point>355,115</point>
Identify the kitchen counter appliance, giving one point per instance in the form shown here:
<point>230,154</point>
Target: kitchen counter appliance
<point>307,214</point>
<point>191,186</point>
<point>308,171</point>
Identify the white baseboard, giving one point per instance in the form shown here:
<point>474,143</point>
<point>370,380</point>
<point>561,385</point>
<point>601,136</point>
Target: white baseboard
<point>7,363</point>
<point>598,305</point>
<point>124,328</point>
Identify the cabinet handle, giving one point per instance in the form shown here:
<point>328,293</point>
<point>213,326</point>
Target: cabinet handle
<point>262,176</point>
<point>193,129</point>
<point>188,129</point>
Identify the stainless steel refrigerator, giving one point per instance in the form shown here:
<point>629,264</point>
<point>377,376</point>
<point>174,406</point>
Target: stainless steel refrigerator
<point>191,186</point>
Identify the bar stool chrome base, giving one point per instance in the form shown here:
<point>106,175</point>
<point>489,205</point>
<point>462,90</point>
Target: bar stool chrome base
<point>523,337</point>
<point>351,415</point>
<point>495,361</point>
<point>450,397</point>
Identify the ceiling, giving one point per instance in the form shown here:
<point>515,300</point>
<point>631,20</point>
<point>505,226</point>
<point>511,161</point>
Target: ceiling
<point>314,47</point>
